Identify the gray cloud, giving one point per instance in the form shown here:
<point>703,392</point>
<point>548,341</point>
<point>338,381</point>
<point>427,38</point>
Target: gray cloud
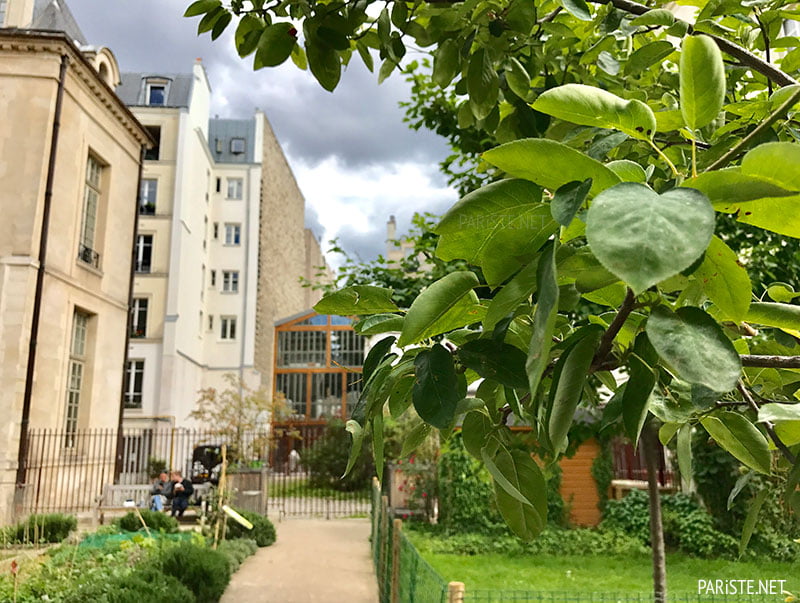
<point>360,123</point>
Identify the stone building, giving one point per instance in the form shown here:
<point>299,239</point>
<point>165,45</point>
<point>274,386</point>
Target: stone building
<point>69,161</point>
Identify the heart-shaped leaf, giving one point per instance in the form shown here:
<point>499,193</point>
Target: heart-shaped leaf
<point>643,237</point>
<point>590,106</point>
<point>693,345</point>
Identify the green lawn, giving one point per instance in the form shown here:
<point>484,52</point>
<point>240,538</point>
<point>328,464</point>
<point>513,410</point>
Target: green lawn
<point>594,573</point>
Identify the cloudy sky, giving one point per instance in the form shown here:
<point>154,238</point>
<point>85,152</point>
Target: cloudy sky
<point>356,162</point>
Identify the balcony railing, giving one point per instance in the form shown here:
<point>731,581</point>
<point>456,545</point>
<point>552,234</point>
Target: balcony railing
<point>147,209</point>
<point>89,256</point>
<point>142,266</point>
<point>137,333</point>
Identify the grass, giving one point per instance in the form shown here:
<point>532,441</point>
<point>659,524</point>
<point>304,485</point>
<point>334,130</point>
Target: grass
<point>594,573</point>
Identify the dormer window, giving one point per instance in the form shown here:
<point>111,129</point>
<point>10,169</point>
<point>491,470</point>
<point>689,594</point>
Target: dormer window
<point>156,92</point>
<point>237,146</point>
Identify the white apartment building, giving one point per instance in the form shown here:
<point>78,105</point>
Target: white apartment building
<point>204,276</point>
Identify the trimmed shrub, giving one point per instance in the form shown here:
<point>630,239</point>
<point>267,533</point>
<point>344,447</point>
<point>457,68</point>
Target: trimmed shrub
<point>237,551</point>
<point>263,531</point>
<point>145,584</point>
<point>202,570</point>
<point>154,520</point>
<point>52,527</point>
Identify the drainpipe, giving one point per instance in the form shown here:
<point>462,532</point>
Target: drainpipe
<point>22,455</point>
<point>129,322</point>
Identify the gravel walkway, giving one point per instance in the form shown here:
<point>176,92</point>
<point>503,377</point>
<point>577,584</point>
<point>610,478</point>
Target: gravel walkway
<point>313,560</point>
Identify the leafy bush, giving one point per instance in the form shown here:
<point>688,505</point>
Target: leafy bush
<point>154,520</point>
<point>202,570</point>
<point>145,584</point>
<point>52,527</point>
<point>237,551</point>
<point>326,460</point>
<point>263,531</point>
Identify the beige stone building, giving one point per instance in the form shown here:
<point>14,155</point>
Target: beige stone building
<point>220,250</point>
<point>69,163</point>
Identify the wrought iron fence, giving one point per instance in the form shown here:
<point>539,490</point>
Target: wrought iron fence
<point>67,471</point>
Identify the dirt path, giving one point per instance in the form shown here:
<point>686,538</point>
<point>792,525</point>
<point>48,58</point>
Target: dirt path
<point>313,561</point>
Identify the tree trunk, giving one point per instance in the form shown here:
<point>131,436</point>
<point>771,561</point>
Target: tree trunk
<point>650,440</point>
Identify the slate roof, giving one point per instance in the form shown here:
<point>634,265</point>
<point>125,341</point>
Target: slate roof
<point>54,15</point>
<point>220,134</point>
<point>133,88</point>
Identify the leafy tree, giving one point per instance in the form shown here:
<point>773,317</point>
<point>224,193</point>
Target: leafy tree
<point>620,148</point>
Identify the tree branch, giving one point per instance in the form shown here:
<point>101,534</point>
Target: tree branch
<point>613,329</point>
<point>771,361</point>
<point>742,144</point>
<point>734,50</point>
<point>768,425</point>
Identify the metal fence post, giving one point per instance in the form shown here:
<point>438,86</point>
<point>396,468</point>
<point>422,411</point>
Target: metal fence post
<point>384,543</point>
<point>455,592</point>
<point>397,528</point>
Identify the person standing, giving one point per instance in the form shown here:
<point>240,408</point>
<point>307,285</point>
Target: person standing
<point>182,489</point>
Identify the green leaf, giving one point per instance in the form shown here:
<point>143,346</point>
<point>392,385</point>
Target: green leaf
<point>667,121</point>
<point>436,392</point>
<point>738,487</point>
<point>776,162</point>
<point>520,489</point>
<point>667,431</point>
<point>357,300</point>
<point>482,84</point>
<point>497,227</point>
<point>730,186</point>
<point>220,25</point>
<point>517,78</point>
<point>513,293</point>
<point>648,55</point>
<point>433,304</point>
<point>590,106</point>
<point>702,81</point>
<point>209,20</point>
<point>379,323</point>
<point>325,65</point>
<point>644,237</point>
<point>201,7</point>
<point>578,9</point>
<point>415,438</point>
<point>636,397</point>
<point>365,54</point>
<point>248,33</point>
<point>725,282</point>
<point>572,369</point>
<point>658,16</point>
<point>685,455</point>
<point>355,430</point>
<point>400,393</point>
<point>627,170</point>
<point>740,438</point>
<point>544,319</point>
<point>377,443</point>
<point>475,430</point>
<point>375,355</point>
<point>568,199</point>
<point>495,360</point>
<point>783,316</point>
<point>550,164</point>
<point>779,412</point>
<point>750,520</point>
<point>275,45</point>
<point>694,347</point>
<point>446,63</point>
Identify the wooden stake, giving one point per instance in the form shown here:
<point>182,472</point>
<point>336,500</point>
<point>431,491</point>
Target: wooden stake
<point>397,529</point>
<point>455,592</point>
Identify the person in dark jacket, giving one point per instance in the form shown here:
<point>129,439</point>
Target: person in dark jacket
<point>182,489</point>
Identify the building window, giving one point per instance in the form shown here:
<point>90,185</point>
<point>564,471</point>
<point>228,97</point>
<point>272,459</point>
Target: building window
<point>219,185</point>
<point>230,281</point>
<point>2,12</point>
<point>232,234</point>
<point>213,278</point>
<point>147,196</point>
<point>228,327</point>
<point>134,380</point>
<point>155,134</point>
<point>237,146</point>
<point>156,94</point>
<point>144,253</point>
<point>210,322</point>
<point>139,317</point>
<point>216,230</point>
<point>77,366</point>
<point>91,204</point>
<point>235,188</point>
